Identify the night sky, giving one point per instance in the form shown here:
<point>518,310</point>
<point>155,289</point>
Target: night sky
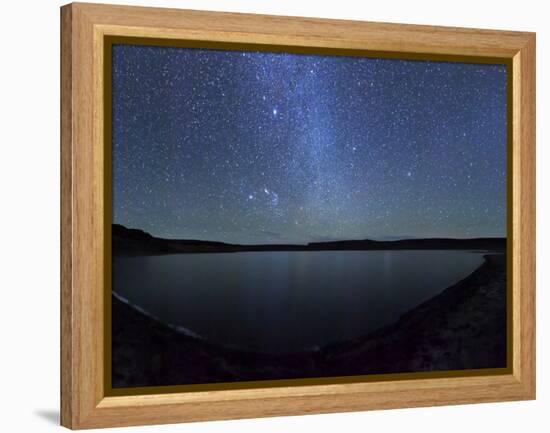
<point>257,147</point>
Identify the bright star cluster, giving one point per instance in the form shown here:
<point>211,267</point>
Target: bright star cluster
<point>259,147</point>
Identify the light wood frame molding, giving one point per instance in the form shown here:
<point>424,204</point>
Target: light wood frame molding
<point>84,403</point>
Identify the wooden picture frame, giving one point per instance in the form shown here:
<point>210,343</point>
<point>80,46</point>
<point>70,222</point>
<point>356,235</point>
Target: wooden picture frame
<point>85,398</point>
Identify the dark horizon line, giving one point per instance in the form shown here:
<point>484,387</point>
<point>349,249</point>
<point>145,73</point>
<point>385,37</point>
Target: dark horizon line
<point>308,244</point>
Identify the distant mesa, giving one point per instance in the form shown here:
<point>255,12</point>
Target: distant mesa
<point>129,241</point>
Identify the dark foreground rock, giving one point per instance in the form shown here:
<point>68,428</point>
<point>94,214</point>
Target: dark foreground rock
<point>464,327</point>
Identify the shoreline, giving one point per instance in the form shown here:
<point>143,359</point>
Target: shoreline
<point>462,327</point>
<point>136,242</point>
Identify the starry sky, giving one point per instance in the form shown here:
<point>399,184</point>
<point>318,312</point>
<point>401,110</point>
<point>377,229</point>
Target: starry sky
<point>260,147</point>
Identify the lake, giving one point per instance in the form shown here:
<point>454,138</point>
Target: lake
<point>286,301</point>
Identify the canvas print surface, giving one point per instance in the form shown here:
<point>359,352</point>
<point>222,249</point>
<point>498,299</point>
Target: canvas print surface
<point>291,216</point>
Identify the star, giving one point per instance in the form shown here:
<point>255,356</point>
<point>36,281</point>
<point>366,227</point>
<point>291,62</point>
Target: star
<point>238,146</point>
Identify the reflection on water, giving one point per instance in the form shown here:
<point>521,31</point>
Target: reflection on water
<point>286,301</point>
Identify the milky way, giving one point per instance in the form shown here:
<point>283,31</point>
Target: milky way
<point>258,147</point>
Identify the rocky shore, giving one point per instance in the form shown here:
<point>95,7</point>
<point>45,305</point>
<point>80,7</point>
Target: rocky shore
<point>463,327</point>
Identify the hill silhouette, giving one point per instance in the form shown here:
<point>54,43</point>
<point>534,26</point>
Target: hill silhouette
<point>129,241</point>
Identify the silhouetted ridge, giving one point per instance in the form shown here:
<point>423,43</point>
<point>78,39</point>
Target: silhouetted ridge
<point>413,244</point>
<point>128,241</point>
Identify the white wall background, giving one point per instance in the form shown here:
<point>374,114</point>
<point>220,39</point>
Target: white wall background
<point>29,220</point>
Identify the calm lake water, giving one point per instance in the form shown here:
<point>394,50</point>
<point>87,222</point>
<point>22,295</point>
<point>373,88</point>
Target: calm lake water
<point>286,301</point>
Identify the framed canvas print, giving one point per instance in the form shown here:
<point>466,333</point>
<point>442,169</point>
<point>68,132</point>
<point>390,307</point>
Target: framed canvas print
<point>267,215</point>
